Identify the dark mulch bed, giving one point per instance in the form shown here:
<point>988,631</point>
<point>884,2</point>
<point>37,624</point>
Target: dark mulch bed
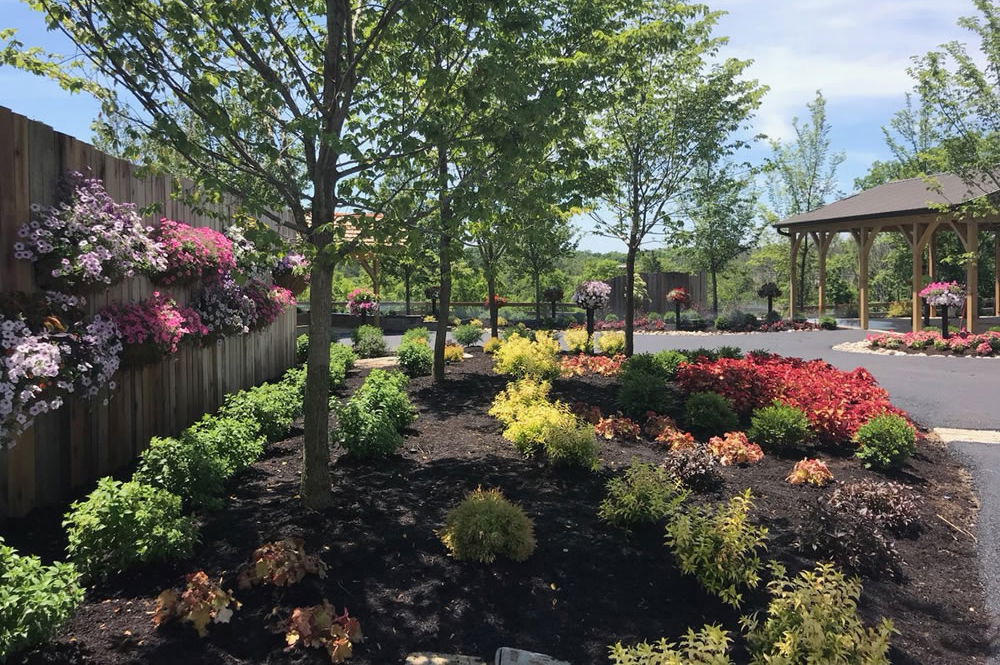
<point>586,586</point>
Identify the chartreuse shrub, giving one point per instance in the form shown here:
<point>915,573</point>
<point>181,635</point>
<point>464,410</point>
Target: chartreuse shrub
<point>415,358</point>
<point>536,423</point>
<point>122,524</point>
<point>719,546</point>
<point>779,427</point>
<point>385,391</point>
<point>368,341</point>
<point>35,599</point>
<point>886,441</point>
<point>195,473</point>
<point>492,344</point>
<point>236,443</point>
<point>709,414</point>
<point>578,341</point>
<point>611,342</point>
<point>486,525</point>
<point>520,357</point>
<point>454,353</point>
<point>517,396</point>
<point>272,406</point>
<point>301,348</point>
<point>468,334</point>
<point>342,359</point>
<point>709,646</point>
<point>640,392</point>
<point>813,618</point>
<point>644,494</point>
<point>420,334</point>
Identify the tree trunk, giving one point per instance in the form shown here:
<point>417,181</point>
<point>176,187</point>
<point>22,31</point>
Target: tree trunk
<point>491,299</point>
<point>407,288</point>
<point>677,316</point>
<point>715,293</point>
<point>538,300</point>
<point>590,323</point>
<point>315,483</point>
<point>553,311</point>
<point>770,305</point>
<point>630,299</point>
<point>444,250</point>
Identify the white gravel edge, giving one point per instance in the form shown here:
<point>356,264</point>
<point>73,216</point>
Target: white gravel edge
<point>864,347</point>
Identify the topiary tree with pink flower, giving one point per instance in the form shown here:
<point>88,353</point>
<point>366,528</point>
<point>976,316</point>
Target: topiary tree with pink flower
<point>944,295</point>
<point>362,302</point>
<point>592,296</point>
<point>681,299</point>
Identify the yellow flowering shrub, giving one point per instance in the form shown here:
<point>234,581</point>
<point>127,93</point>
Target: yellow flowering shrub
<point>520,357</point>
<point>577,340</point>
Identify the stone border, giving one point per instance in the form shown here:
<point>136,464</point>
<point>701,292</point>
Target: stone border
<point>864,347</point>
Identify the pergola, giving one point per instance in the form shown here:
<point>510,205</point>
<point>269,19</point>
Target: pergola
<point>917,208</point>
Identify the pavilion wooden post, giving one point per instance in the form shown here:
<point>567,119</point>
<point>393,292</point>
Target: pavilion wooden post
<point>922,233</point>
<point>822,239</point>
<point>865,237</point>
<point>972,275</point>
<point>795,240</point>
<point>996,273</point>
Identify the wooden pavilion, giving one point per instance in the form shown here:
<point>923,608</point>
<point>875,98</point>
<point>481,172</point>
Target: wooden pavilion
<point>917,208</point>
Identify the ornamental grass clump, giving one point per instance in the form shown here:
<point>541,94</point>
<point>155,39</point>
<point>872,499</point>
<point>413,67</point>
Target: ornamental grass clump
<point>886,441</point>
<point>644,494</point>
<point>89,239</point>
<point>779,427</point>
<point>813,618</point>
<point>520,357</point>
<point>193,253</point>
<point>120,525</point>
<point>35,600</point>
<point>486,525</point>
<point>720,546</point>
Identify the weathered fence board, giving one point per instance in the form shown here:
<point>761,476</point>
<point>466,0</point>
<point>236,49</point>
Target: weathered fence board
<point>66,451</point>
<point>658,285</point>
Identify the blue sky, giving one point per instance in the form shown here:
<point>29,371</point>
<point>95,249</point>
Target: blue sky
<point>855,51</point>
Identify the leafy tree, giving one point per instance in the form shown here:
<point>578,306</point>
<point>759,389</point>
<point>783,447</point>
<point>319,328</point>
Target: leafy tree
<point>804,174</point>
<point>672,105</point>
<point>724,222</point>
<point>544,240</point>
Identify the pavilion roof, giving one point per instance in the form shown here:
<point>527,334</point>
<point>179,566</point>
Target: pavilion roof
<point>899,198</point>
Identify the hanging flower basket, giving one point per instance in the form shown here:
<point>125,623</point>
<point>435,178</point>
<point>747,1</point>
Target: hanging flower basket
<point>141,355</point>
<point>292,273</point>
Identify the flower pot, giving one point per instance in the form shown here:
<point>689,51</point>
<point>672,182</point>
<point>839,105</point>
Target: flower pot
<point>294,283</point>
<point>140,355</point>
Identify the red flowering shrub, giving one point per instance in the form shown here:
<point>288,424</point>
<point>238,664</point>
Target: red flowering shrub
<point>617,427</point>
<point>734,448</point>
<point>837,403</point>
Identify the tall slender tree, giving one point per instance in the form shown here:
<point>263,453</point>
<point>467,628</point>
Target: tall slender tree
<point>545,240</point>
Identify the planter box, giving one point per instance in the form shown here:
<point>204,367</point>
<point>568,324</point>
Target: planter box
<point>391,323</point>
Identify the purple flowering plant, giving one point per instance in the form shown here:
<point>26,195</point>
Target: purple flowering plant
<point>592,295</point>
<point>88,239</point>
<point>225,308</point>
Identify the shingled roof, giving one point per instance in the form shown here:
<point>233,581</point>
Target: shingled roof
<point>912,196</point>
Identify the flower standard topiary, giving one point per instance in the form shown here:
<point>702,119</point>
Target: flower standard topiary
<point>553,295</point>
<point>770,291</point>
<point>681,299</point>
<point>362,302</point>
<point>432,293</point>
<point>944,295</point>
<point>591,296</point>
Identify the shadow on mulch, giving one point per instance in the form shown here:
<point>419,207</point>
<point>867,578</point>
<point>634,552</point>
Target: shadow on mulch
<point>586,586</point>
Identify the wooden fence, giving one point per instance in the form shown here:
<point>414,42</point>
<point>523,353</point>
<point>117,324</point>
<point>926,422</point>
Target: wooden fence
<point>67,450</point>
<point>658,285</point>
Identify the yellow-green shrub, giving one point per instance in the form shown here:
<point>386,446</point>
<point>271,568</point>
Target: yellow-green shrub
<point>573,446</point>
<point>520,357</point>
<point>492,344</point>
<point>486,524</point>
<point>454,353</point>
<point>577,340</point>
<point>709,646</point>
<point>536,424</point>
<point>611,342</point>
<point>517,396</point>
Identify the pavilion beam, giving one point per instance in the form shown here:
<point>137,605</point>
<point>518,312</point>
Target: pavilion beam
<point>972,275</point>
<point>795,241</point>
<point>996,273</point>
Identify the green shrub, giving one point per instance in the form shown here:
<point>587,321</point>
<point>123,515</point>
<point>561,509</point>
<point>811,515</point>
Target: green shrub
<point>709,646</point>
<point>669,361</point>
<point>366,433</point>
<point>719,546</point>
<point>35,600</point>
<point>342,359</point>
<point>709,414</point>
<point>779,427</point>
<point>573,446</point>
<point>610,317</point>
<point>886,441</point>
<point>827,323</point>
<point>415,358</point>
<point>295,379</point>
<point>611,342</point>
<point>640,392</point>
<point>520,357</point>
<point>369,341</point>
<point>301,349</point>
<point>663,364</point>
<point>386,391</point>
<point>813,618</point>
<point>237,443</point>
<point>468,334</point>
<point>733,352</point>
<point>520,330</point>
<point>181,466</point>
<point>273,407</point>
<point>654,316</point>
<point>122,524</point>
<point>419,334</point>
<point>643,494</point>
<point>485,525</point>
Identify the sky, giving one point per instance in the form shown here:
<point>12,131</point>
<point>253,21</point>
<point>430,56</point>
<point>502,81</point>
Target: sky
<point>855,51</point>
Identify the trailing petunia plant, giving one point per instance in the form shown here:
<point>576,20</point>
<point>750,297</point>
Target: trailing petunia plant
<point>155,327</point>
<point>292,272</point>
<point>944,295</point>
<point>88,240</point>
<point>225,308</point>
<point>362,302</point>
<point>269,302</point>
<point>591,296</point>
<point>193,253</point>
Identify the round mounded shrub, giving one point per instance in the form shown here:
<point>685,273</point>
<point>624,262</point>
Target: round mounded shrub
<point>610,342</point>
<point>886,441</point>
<point>641,392</point>
<point>710,414</point>
<point>415,359</point>
<point>468,334</point>
<point>779,427</point>
<point>486,525</point>
<point>366,432</point>
<point>369,342</point>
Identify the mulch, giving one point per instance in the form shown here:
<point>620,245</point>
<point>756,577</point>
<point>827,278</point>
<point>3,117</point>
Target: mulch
<point>588,584</point>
